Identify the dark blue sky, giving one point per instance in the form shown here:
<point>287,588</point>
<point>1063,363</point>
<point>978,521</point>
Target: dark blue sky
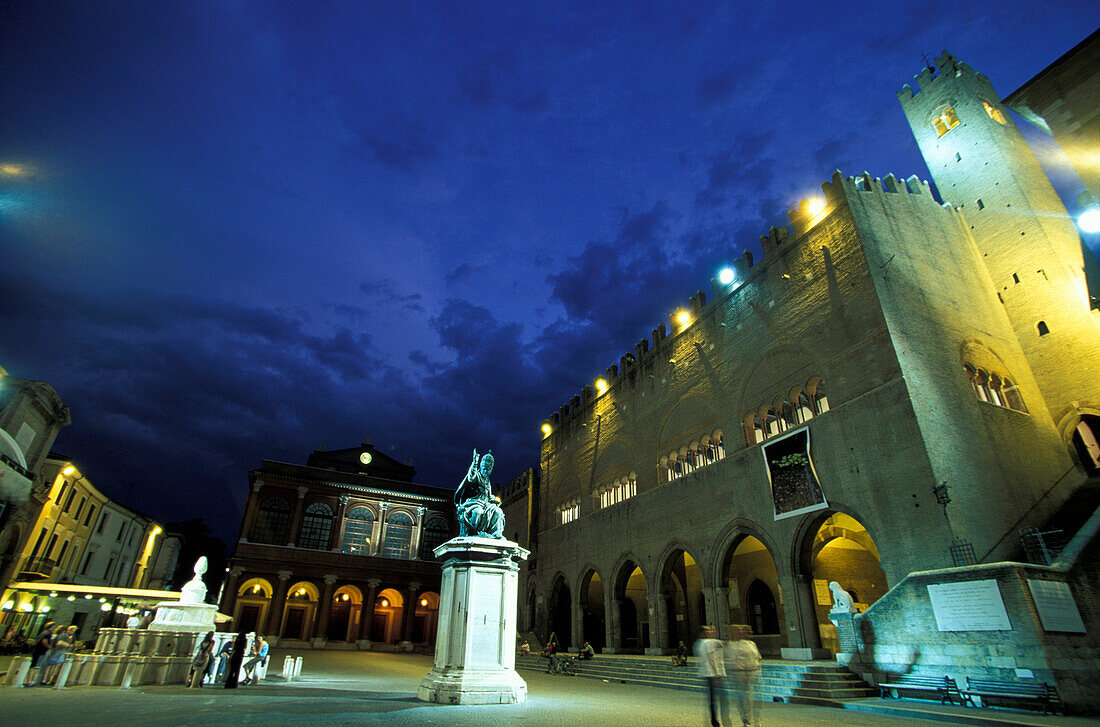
<point>246,229</point>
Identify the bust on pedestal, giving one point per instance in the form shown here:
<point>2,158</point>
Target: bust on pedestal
<point>475,654</point>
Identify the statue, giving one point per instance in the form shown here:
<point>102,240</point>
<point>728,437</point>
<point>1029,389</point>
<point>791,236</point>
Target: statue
<point>479,514</point>
<point>194,591</point>
<point>842,601</point>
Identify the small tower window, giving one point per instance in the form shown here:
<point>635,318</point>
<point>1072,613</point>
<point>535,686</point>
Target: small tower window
<point>945,121</point>
<point>994,113</point>
<point>1043,330</point>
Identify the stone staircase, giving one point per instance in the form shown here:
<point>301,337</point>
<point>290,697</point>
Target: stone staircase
<point>820,683</point>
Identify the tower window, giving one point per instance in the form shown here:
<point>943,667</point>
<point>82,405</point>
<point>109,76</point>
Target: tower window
<point>945,121</point>
<point>994,113</point>
<point>1043,330</point>
<point>981,205</point>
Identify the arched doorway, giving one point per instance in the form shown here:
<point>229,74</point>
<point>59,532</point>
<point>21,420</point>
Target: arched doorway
<point>343,620</point>
<point>300,610</point>
<point>1086,443</point>
<point>748,565</point>
<point>531,602</point>
<point>592,610</point>
<point>632,599</point>
<point>253,602</point>
<point>425,618</point>
<point>561,613</point>
<point>386,627</point>
<point>842,550</point>
<point>682,585</point>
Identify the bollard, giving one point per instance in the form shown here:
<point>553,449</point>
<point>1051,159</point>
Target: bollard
<point>127,676</point>
<point>297,666</point>
<point>288,667</point>
<point>66,667</point>
<point>21,674</point>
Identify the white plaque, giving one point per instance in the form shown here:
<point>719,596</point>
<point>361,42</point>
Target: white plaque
<point>1056,607</point>
<point>821,589</point>
<point>969,606</point>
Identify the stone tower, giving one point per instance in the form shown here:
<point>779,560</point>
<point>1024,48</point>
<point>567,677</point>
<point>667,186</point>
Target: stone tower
<point>982,165</point>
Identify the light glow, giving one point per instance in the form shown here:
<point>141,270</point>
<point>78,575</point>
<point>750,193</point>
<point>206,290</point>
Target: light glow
<point>25,607</point>
<point>1089,221</point>
<point>726,276</point>
<point>817,206</point>
<point>546,429</point>
<point>601,386</point>
<point>7,606</point>
<point>69,469</point>
<point>12,170</point>
<point>423,602</point>
<point>385,603</point>
<point>683,317</point>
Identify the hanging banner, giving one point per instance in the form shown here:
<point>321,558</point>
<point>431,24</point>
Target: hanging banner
<point>794,483</point>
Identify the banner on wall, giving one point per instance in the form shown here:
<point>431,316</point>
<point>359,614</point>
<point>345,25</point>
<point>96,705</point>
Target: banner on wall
<point>795,487</point>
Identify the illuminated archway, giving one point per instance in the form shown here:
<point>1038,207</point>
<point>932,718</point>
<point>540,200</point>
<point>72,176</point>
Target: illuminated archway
<point>252,605</point>
<point>682,585</point>
<point>425,618</point>
<point>593,622</point>
<point>344,615</point>
<point>299,612</point>
<point>751,584</point>
<point>631,597</point>
<point>561,613</point>
<point>388,607</point>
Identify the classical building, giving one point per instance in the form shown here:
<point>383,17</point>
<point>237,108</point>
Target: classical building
<point>338,553</point>
<point>899,385</point>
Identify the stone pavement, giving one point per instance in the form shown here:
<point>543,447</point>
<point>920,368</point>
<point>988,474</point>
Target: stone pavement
<point>342,688</point>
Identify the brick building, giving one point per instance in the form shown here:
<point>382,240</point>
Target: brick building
<point>899,385</point>
<point>338,553</point>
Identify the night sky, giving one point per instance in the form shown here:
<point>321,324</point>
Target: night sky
<point>238,230</point>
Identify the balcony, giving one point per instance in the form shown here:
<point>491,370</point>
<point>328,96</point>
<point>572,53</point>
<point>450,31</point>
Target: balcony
<point>37,569</point>
<point>15,480</point>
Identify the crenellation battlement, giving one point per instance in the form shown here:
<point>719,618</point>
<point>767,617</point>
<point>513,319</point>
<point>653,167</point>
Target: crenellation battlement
<point>946,66</point>
<point>890,189</point>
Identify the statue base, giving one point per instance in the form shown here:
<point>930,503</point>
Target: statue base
<point>475,651</point>
<point>190,617</point>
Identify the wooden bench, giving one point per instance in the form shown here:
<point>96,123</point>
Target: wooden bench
<point>997,690</point>
<point>943,687</point>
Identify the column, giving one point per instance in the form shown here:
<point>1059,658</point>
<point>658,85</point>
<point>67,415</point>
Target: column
<point>366,617</point>
<point>414,546</point>
<point>577,635</point>
<point>379,528</point>
<point>229,593</point>
<point>251,509</point>
<point>710,608</point>
<point>412,592</point>
<point>278,602</point>
<point>296,517</point>
<point>722,606</point>
<point>658,622</point>
<point>338,524</point>
<point>324,609</point>
<point>804,593</point>
<point>612,625</point>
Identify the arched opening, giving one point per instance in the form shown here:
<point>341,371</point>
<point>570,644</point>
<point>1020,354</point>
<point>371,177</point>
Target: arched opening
<point>531,603</point>
<point>358,525</point>
<point>425,618</point>
<point>299,612</point>
<point>386,626</point>
<point>272,521</point>
<point>682,585</point>
<point>1086,442</point>
<point>842,550</point>
<point>561,615</point>
<point>592,610</point>
<point>436,532</point>
<point>632,600</point>
<point>253,602</point>
<point>398,538</point>
<point>347,609</point>
<point>750,578</point>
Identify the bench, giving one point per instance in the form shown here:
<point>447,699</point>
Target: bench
<point>996,690</point>
<point>943,687</point>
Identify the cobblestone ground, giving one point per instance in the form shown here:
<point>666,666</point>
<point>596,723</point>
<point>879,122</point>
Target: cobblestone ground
<point>345,688</point>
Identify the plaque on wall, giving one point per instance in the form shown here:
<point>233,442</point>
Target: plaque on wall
<point>794,483</point>
<point>821,590</point>
<point>969,606</point>
<point>1056,607</point>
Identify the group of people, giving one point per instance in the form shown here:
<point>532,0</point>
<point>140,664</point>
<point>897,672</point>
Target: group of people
<point>48,652</point>
<point>737,659</point>
<point>225,666</point>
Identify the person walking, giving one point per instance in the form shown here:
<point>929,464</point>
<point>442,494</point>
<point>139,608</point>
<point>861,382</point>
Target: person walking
<point>41,645</point>
<point>201,661</point>
<point>60,644</point>
<point>235,658</point>
<point>708,650</point>
<point>742,662</point>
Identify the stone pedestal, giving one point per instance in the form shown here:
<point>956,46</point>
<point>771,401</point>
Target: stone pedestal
<point>194,617</point>
<point>475,652</point>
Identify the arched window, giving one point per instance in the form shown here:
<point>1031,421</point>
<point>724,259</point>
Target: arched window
<point>398,536</point>
<point>773,423</point>
<point>316,527</point>
<point>1011,395</point>
<point>754,430</point>
<point>271,521</point>
<point>946,121</point>
<point>804,410</point>
<point>994,113</point>
<point>995,390</point>
<point>1043,329</point>
<point>434,534</point>
<point>358,524</point>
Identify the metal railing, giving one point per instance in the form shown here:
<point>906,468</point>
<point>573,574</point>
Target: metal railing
<point>37,568</point>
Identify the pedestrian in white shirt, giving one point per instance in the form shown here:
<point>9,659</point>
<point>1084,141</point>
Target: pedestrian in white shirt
<point>709,652</point>
<point>742,663</point>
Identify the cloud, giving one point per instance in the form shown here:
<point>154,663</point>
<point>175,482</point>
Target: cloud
<point>400,142</point>
<point>385,292</point>
<point>719,87</point>
<point>744,164</point>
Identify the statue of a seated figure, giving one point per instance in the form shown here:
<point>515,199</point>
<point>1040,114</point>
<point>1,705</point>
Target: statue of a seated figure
<point>478,512</point>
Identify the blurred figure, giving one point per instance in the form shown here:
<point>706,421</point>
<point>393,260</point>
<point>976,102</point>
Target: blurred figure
<point>524,648</point>
<point>233,673</point>
<point>587,652</point>
<point>743,661</point>
<point>41,645</point>
<point>709,652</point>
<point>201,661</point>
<point>680,658</point>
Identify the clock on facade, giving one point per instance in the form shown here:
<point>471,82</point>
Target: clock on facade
<point>365,458</point>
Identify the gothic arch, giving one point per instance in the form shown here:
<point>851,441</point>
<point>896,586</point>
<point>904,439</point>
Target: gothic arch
<point>617,572</point>
<point>689,418</point>
<point>802,544</point>
<point>778,369</point>
<point>727,541</point>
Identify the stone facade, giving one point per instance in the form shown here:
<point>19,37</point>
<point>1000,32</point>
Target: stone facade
<point>876,397</point>
<point>338,553</point>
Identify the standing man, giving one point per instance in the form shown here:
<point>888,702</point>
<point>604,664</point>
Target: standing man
<point>743,660</point>
<point>712,667</point>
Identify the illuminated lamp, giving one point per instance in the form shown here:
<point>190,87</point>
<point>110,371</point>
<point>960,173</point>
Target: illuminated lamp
<point>601,385</point>
<point>8,605</point>
<point>546,429</point>
<point>1089,221</point>
<point>71,598</point>
<point>385,603</point>
<point>683,317</point>
<point>44,609</point>
<point>105,607</point>
<point>25,607</point>
<point>423,602</point>
<point>103,600</point>
<point>69,469</point>
<point>817,206</point>
<point>53,594</point>
<point>88,596</point>
<point>726,276</point>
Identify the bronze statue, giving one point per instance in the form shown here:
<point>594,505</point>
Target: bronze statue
<point>479,513</point>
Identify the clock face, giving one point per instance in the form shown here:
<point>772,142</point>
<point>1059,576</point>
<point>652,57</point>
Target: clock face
<point>365,458</point>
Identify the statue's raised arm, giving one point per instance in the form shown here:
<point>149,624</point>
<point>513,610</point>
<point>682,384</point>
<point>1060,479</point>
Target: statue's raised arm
<point>478,512</point>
